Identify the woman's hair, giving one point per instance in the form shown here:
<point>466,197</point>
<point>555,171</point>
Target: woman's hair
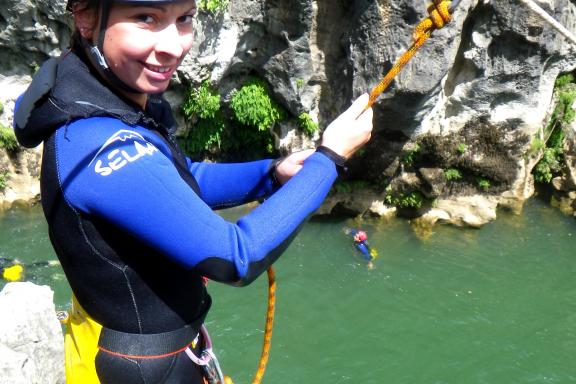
<point>84,5</point>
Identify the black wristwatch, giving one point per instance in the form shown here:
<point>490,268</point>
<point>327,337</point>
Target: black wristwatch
<point>340,161</point>
<point>272,171</point>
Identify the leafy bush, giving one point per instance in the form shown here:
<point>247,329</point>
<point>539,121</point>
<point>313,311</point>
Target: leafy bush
<point>213,6</point>
<point>453,174</point>
<point>201,103</point>
<point>7,138</point>
<point>299,83</point>
<point>202,107</point>
<point>307,125</point>
<point>3,180</point>
<point>548,166</point>
<point>483,183</point>
<point>205,136</point>
<point>461,148</point>
<point>563,114</point>
<point>414,199</point>
<point>257,113</point>
<point>562,80</point>
<point>412,155</point>
<point>253,106</point>
<point>564,111</point>
<point>537,145</point>
<point>1,108</point>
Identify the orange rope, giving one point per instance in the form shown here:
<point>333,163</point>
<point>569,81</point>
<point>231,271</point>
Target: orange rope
<point>268,331</point>
<point>439,15</point>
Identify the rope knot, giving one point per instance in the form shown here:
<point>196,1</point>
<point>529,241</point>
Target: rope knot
<point>439,16</point>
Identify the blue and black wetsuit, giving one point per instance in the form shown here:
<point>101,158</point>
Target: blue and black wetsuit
<point>131,218</point>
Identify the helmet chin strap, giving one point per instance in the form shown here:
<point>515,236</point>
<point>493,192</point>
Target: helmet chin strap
<point>96,53</point>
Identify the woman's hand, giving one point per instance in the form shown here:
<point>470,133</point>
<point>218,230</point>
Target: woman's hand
<point>350,130</point>
<point>291,164</point>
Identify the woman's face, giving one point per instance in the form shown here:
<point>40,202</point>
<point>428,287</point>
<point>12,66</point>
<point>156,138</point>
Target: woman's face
<point>144,44</point>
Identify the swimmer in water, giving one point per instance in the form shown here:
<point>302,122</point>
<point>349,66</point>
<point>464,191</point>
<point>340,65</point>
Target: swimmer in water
<point>361,244</point>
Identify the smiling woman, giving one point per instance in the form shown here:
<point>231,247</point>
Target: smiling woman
<point>164,33</point>
<point>132,219</point>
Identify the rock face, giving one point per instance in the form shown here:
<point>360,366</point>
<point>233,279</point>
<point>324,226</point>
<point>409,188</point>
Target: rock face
<point>30,32</point>
<point>21,167</point>
<point>564,195</point>
<point>31,341</point>
<point>492,69</point>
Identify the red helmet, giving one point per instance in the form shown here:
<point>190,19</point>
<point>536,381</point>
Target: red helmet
<point>360,236</point>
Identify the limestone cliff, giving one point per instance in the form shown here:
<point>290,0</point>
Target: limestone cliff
<point>471,102</point>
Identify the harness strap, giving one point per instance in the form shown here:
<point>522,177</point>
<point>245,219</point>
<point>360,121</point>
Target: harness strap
<point>147,346</point>
<point>150,345</point>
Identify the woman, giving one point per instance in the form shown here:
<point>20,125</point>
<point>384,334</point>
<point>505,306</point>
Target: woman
<point>130,218</point>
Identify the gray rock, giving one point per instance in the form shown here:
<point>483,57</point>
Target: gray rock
<point>495,62</point>
<point>31,340</point>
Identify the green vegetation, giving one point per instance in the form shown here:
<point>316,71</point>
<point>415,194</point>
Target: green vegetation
<point>461,148</point>
<point>203,102</point>
<point>3,180</point>
<point>202,106</point>
<point>483,183</point>
<point>413,199</point>
<point>552,149</point>
<point>562,80</point>
<point>8,139</point>
<point>307,125</point>
<point>548,166</point>
<point>257,113</point>
<point>213,6</point>
<point>412,155</point>
<point>244,135</point>
<point>1,108</point>
<point>453,174</point>
<point>537,145</point>
<point>299,83</point>
<point>350,186</point>
<point>253,106</point>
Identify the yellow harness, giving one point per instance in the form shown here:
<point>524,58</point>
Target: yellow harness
<point>81,346</point>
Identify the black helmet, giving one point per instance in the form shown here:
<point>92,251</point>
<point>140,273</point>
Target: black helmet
<point>95,53</point>
<point>136,2</point>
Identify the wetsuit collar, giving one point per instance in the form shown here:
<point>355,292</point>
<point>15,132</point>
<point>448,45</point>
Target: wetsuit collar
<point>69,90</point>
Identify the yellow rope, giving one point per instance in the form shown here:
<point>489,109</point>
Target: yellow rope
<point>269,324</point>
<point>439,15</point>
<point>267,333</point>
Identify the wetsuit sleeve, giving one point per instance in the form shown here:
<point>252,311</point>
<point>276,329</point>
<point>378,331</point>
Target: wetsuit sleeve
<point>125,175</point>
<point>237,183</point>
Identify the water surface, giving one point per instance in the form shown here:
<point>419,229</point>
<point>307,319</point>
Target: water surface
<point>494,305</point>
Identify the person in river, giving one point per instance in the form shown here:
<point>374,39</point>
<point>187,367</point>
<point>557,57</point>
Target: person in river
<point>131,218</point>
<point>361,244</point>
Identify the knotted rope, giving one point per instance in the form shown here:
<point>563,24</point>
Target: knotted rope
<point>439,15</point>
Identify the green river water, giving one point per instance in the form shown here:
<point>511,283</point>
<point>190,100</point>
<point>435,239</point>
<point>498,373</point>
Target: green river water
<point>494,305</point>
